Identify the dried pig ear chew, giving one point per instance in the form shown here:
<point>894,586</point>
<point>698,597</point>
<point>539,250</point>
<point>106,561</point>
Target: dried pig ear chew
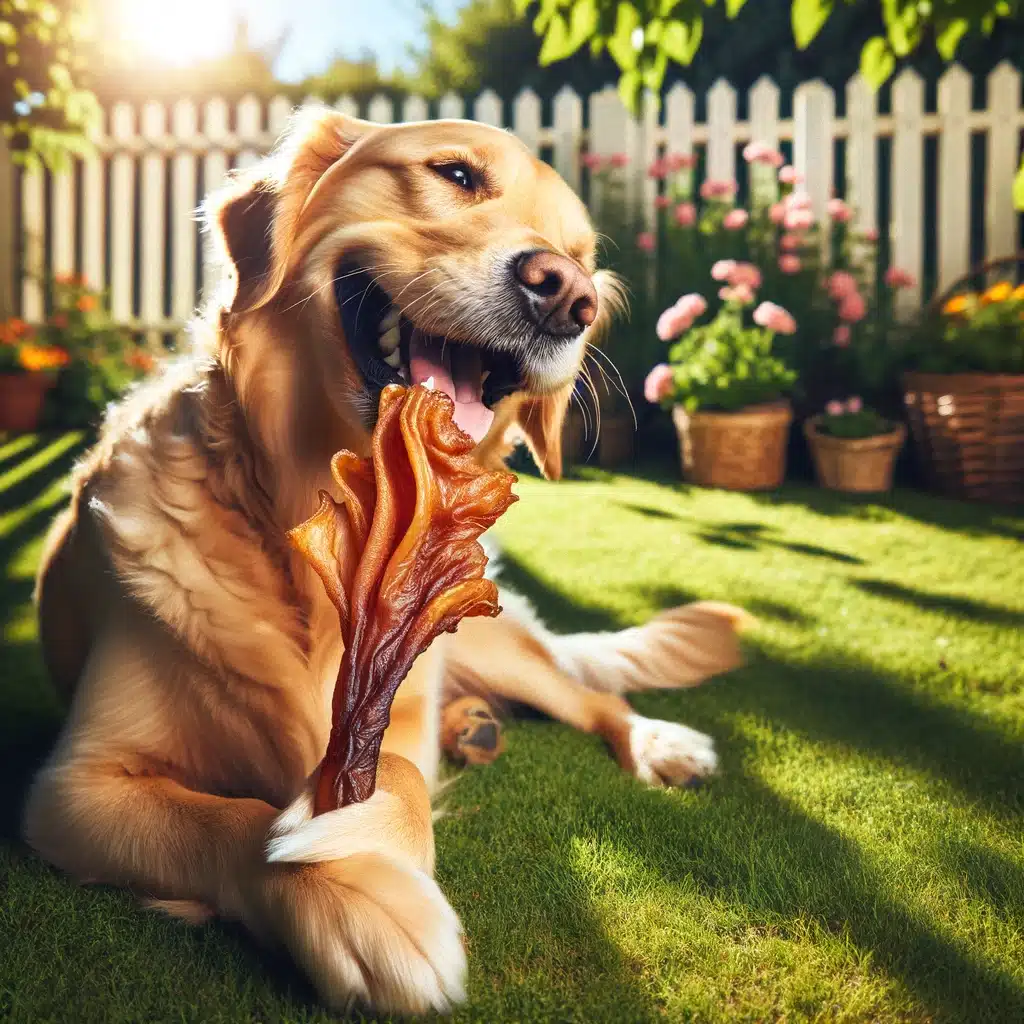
<point>400,559</point>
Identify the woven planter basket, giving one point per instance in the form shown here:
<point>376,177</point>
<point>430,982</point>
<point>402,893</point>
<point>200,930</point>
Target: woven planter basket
<point>860,465</point>
<point>738,451</point>
<point>968,431</point>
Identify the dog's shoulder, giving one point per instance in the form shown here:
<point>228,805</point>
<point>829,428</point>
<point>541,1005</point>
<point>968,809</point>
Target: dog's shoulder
<point>172,488</point>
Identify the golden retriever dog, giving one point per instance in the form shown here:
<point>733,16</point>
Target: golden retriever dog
<point>199,653</point>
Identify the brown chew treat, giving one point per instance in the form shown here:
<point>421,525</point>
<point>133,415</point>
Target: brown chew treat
<point>400,559</point>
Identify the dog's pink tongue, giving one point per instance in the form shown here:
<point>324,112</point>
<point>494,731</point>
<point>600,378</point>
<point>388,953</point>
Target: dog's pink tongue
<point>456,370</point>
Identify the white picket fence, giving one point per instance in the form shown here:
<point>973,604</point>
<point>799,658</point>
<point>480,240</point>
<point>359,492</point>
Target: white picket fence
<point>123,213</point>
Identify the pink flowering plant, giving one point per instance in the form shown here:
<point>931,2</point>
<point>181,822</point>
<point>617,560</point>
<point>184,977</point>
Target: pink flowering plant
<point>727,363</point>
<point>852,419</point>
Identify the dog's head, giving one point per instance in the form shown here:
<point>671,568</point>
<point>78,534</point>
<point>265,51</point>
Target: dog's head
<point>381,254</point>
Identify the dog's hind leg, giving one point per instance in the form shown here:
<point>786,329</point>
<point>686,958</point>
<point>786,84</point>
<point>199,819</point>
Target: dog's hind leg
<point>503,659</point>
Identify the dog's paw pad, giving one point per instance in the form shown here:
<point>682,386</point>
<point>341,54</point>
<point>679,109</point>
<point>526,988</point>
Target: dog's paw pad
<point>471,733</point>
<point>669,754</point>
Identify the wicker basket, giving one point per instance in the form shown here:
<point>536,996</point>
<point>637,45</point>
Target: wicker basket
<point>861,464</point>
<point>968,430</point>
<point>739,451</point>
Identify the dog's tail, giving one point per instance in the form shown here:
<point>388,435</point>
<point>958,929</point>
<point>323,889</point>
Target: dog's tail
<point>680,647</point>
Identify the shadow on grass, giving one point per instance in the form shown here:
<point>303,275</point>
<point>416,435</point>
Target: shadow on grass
<point>21,449</point>
<point>752,536</point>
<point>649,511</point>
<point>766,608</point>
<point>988,876</point>
<point>32,485</point>
<point>961,607</point>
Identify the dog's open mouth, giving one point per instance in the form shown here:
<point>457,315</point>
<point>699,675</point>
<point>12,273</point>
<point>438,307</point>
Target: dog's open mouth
<point>388,348</point>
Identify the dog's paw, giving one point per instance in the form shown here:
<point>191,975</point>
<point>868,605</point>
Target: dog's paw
<point>369,930</point>
<point>669,754</point>
<point>470,733</point>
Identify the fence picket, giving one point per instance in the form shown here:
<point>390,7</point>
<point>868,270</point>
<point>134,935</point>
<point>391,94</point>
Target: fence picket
<point>721,162</point>
<point>764,127</point>
<point>414,109</point>
<point>487,109</point>
<point>526,119</point>
<point>1003,160</point>
<point>612,133</point>
<point>94,218</point>
<point>62,221</point>
<point>451,106</point>
<point>343,104</point>
<point>279,110</point>
<point>953,221</point>
<point>908,184</point>
<point>248,122</point>
<point>381,110</point>
<point>814,107</point>
<point>122,216</point>
<point>33,221</point>
<point>152,172</point>
<point>862,156</point>
<point>567,114</point>
<point>184,122</point>
<point>215,168</point>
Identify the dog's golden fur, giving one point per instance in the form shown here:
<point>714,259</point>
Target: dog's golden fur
<point>199,654</point>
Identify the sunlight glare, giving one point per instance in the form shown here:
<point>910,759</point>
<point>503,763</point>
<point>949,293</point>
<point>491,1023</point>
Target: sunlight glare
<point>176,32</point>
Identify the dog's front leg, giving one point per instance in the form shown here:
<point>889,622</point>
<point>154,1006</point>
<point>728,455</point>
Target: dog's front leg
<point>349,893</point>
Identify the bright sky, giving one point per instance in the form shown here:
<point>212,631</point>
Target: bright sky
<point>181,31</point>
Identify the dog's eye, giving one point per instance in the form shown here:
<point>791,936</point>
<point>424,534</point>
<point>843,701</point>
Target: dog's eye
<point>458,174</point>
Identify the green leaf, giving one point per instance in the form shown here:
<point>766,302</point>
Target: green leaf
<point>8,34</point>
<point>948,38</point>
<point>630,86</point>
<point>1018,188</point>
<point>877,61</point>
<point>809,16</point>
<point>620,45</point>
<point>733,7</point>
<point>680,41</point>
<point>564,39</point>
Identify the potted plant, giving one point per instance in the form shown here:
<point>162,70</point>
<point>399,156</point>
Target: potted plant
<point>725,386</point>
<point>27,371</point>
<point>854,448</point>
<point>964,388</point>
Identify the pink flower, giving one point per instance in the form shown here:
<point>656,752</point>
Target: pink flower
<point>798,201</point>
<point>592,161</point>
<point>790,264</point>
<point>871,235</point>
<point>662,202</point>
<point>741,293</point>
<point>895,277</point>
<point>839,211</point>
<point>715,189</point>
<point>645,241</point>
<point>854,404</point>
<point>692,304</point>
<point>723,270</point>
<point>745,273</point>
<point>686,215</point>
<point>672,323</point>
<point>789,175</point>
<point>774,318</point>
<point>658,170</point>
<point>798,220</point>
<point>619,160</point>
<point>777,213</point>
<point>853,308</point>
<point>735,220</point>
<point>835,408</point>
<point>681,161</point>
<point>659,384</point>
<point>841,336</point>
<point>762,153</point>
<point>790,243</point>
<point>841,284</point>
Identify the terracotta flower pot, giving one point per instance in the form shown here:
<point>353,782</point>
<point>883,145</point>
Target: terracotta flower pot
<point>968,431</point>
<point>21,400</point>
<point>738,451</point>
<point>862,464</point>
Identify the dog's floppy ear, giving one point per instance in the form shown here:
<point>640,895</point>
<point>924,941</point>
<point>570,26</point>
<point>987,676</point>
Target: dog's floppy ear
<point>252,220</point>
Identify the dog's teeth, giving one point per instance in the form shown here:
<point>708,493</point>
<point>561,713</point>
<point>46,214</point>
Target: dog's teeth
<point>394,360</point>
<point>389,320</point>
<point>388,342</point>
<point>429,383</point>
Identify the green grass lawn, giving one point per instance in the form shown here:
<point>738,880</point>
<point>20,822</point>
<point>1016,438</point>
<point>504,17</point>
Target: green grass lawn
<point>859,858</point>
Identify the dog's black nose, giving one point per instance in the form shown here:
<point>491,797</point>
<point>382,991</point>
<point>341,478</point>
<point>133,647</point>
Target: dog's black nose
<point>557,294</point>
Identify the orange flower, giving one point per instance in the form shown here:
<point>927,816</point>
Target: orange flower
<point>86,303</point>
<point>59,320</point>
<point>999,292</point>
<point>958,304</point>
<point>140,360</point>
<point>42,357</point>
<point>1018,293</point>
<point>64,279</point>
